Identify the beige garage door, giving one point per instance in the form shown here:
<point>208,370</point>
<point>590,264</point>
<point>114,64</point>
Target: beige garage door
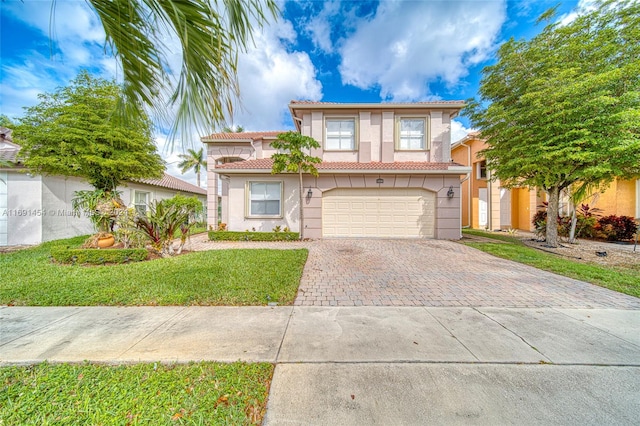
<point>388,212</point>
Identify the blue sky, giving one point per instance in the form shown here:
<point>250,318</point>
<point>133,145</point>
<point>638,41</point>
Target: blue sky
<point>335,51</point>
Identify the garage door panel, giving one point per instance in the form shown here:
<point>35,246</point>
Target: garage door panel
<point>379,212</point>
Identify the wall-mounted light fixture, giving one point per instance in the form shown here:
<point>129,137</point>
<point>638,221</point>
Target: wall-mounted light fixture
<point>450,193</point>
<point>309,194</point>
<point>379,180</point>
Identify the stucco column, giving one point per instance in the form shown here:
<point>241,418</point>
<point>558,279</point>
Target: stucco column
<point>212,197</point>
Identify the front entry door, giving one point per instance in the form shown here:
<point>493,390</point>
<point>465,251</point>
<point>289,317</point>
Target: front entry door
<point>483,216</point>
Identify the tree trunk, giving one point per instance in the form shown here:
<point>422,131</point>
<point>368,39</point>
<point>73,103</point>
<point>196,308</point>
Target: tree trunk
<point>301,206</point>
<point>574,223</point>
<point>552,216</point>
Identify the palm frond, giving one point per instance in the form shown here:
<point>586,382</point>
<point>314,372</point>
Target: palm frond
<point>210,35</point>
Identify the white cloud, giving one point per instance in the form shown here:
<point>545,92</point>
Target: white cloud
<point>319,26</point>
<point>408,44</point>
<point>77,42</point>
<point>583,7</point>
<point>458,131</point>
<point>270,76</point>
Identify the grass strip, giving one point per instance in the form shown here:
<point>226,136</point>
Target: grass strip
<point>622,280</point>
<point>217,277</point>
<point>152,393</point>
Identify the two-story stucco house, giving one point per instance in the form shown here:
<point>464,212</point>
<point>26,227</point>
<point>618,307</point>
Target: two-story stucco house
<point>386,171</point>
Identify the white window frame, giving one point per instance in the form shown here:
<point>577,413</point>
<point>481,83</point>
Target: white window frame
<point>354,137</point>
<point>248,201</point>
<point>425,133</point>
<point>480,166</point>
<point>141,208</point>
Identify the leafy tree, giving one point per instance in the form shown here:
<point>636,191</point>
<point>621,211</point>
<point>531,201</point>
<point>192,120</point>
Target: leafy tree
<point>6,122</point>
<point>193,160</point>
<point>292,157</point>
<point>70,133</point>
<point>210,35</point>
<point>564,108</point>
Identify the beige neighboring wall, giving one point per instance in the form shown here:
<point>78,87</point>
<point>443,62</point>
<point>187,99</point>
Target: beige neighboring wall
<point>619,198</point>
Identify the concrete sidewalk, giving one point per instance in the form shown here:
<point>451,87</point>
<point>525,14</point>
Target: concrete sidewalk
<point>372,365</point>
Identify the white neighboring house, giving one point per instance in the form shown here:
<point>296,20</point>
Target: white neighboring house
<point>34,209</point>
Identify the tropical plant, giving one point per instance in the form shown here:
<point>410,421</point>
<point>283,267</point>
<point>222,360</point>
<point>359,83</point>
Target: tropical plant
<point>161,224</point>
<point>292,157</point>
<point>210,35</point>
<point>563,108</point>
<point>126,231</point>
<point>102,207</point>
<point>193,160</point>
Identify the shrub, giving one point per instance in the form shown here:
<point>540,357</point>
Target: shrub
<point>192,205</point>
<point>585,222</point>
<point>98,257</point>
<point>539,222</point>
<point>253,236</point>
<point>616,228</point>
<point>161,225</point>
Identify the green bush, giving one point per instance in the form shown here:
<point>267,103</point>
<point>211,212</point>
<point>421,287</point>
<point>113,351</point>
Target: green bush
<point>616,228</point>
<point>98,256</point>
<point>253,236</point>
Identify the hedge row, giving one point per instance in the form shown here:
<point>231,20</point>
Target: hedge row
<point>252,236</point>
<point>98,257</point>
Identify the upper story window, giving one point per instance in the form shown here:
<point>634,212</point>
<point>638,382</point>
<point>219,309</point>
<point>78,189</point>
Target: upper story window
<point>340,134</point>
<point>265,199</point>
<point>481,170</point>
<point>412,133</point>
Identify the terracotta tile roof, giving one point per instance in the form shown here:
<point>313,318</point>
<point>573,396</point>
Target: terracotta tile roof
<point>172,182</point>
<point>226,136</point>
<point>267,163</point>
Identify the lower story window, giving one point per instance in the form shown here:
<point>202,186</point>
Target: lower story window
<point>141,201</point>
<point>265,199</point>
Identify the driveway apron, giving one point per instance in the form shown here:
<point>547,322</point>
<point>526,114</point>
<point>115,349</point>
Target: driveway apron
<point>381,272</point>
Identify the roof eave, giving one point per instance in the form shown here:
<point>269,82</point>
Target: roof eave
<point>293,107</point>
<point>452,170</point>
<point>430,105</point>
<point>226,141</point>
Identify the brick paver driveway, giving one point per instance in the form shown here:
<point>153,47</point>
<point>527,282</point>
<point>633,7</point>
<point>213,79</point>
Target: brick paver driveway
<point>436,273</point>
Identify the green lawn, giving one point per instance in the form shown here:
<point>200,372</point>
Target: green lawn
<point>217,277</point>
<point>145,394</point>
<point>623,280</point>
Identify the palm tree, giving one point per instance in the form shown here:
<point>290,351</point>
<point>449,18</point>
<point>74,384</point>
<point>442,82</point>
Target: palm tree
<point>210,33</point>
<point>193,160</point>
<point>233,129</point>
